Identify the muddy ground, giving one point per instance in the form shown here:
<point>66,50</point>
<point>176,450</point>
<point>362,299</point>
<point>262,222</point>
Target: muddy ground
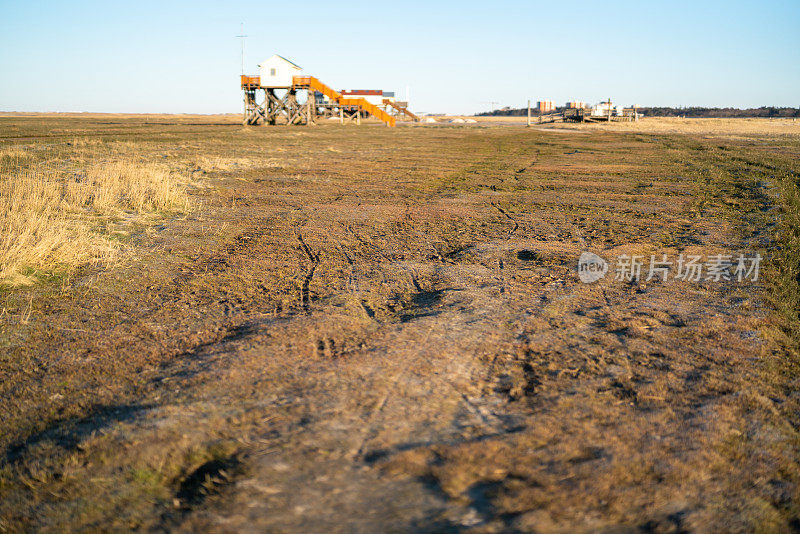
<point>372,329</point>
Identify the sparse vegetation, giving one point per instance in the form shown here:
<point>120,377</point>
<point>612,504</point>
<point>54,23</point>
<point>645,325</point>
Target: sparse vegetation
<point>383,329</point>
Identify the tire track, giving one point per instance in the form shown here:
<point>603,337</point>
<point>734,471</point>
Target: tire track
<point>510,218</point>
<point>305,299</point>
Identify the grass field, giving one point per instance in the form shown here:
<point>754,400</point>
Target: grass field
<point>211,327</point>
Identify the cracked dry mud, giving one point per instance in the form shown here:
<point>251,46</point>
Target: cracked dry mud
<point>386,332</point>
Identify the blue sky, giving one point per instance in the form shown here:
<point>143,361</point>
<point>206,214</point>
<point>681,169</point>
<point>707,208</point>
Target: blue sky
<point>183,57</point>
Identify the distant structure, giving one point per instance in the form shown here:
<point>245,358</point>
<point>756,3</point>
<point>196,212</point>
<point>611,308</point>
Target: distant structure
<point>604,111</point>
<point>374,96</point>
<point>580,112</point>
<point>607,109</point>
<point>281,81</point>
<point>546,106</point>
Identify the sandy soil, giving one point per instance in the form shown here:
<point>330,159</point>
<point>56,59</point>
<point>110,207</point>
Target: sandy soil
<point>671,125</point>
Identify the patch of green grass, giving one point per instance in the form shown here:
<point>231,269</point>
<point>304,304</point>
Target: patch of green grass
<point>784,268</point>
<point>149,480</point>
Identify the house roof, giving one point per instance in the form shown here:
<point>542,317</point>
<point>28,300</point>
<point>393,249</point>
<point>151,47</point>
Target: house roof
<point>365,92</point>
<point>295,65</point>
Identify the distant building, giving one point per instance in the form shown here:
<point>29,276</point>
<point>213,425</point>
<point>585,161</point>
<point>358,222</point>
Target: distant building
<point>601,109</point>
<point>576,105</point>
<point>604,109</point>
<point>546,106</point>
<point>277,72</point>
<point>373,96</point>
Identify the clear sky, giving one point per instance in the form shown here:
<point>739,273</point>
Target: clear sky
<point>455,56</point>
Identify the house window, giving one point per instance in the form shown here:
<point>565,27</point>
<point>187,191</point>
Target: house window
<point>272,72</point>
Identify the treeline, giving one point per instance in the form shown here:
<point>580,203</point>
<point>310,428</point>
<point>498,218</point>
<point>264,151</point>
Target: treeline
<point>694,112</point>
<point>721,113</point>
<point>508,112</point>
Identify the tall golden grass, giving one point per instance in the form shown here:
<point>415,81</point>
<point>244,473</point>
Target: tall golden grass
<point>49,217</point>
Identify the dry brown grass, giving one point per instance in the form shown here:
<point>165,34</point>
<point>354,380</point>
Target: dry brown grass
<point>667,125</point>
<point>130,186</point>
<point>37,233</point>
<point>707,127</point>
<point>50,213</point>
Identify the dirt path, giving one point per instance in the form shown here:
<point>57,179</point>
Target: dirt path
<point>393,336</point>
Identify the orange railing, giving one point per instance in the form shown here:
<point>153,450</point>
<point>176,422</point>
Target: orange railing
<point>401,109</point>
<point>371,108</point>
<point>251,80</point>
<point>309,82</point>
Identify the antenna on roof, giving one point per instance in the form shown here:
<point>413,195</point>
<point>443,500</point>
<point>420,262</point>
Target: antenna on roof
<point>242,36</point>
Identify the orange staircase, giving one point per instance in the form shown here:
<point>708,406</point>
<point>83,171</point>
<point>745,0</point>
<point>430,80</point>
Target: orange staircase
<point>401,109</point>
<point>311,83</point>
